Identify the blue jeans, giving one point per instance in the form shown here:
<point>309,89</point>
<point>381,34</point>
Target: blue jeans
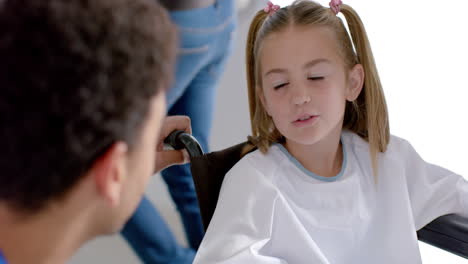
<point>205,36</point>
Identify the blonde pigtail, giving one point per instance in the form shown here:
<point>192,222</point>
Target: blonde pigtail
<point>376,127</point>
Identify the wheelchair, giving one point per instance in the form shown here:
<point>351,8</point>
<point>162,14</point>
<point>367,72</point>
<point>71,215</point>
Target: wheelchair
<point>448,232</point>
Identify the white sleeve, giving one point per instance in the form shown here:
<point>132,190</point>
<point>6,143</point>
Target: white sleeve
<point>433,190</point>
<point>240,230</point>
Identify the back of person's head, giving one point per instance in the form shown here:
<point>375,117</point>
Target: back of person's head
<point>366,116</point>
<point>75,77</point>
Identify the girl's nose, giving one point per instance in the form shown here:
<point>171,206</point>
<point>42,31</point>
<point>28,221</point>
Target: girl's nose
<point>301,99</point>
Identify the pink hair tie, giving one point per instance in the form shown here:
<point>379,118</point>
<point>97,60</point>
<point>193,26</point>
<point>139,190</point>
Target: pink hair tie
<point>335,6</point>
<point>271,8</point>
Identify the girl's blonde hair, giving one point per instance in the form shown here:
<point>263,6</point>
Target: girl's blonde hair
<point>366,116</point>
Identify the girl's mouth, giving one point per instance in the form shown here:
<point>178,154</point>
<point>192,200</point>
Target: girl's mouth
<point>305,120</point>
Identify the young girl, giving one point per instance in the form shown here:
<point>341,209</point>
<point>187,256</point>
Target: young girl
<point>328,183</point>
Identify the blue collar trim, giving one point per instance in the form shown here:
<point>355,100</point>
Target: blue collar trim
<point>311,174</point>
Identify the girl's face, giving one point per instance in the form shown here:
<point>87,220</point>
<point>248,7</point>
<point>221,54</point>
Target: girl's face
<point>305,83</point>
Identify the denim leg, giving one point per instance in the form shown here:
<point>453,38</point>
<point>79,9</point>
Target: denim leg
<point>197,103</point>
<point>151,238</point>
<point>197,100</point>
<point>206,38</point>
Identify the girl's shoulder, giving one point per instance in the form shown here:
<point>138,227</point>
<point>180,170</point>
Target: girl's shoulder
<point>254,169</point>
<point>264,163</point>
<point>396,147</point>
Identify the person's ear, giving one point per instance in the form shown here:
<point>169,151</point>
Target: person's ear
<point>109,171</point>
<point>262,99</point>
<point>355,82</point>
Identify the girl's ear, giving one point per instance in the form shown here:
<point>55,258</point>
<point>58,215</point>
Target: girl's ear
<point>262,99</point>
<point>355,82</point>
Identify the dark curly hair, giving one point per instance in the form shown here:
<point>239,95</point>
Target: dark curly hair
<point>75,76</point>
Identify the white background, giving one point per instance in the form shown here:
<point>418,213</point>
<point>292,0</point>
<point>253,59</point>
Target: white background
<point>420,50</point>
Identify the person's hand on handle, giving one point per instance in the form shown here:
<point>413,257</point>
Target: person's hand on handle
<point>167,158</point>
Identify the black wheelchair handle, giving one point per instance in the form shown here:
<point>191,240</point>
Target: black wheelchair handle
<point>179,139</point>
<point>448,232</point>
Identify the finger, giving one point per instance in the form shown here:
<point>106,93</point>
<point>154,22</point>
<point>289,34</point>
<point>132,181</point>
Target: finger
<point>160,146</point>
<point>177,123</point>
<point>172,123</point>
<point>168,158</point>
<point>186,156</point>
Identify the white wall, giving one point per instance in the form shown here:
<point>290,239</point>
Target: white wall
<point>420,50</point>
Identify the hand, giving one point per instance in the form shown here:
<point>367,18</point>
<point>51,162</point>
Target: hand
<point>167,158</point>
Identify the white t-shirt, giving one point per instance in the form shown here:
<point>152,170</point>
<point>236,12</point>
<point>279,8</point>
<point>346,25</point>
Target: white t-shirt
<point>273,210</point>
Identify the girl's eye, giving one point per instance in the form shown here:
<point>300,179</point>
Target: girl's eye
<point>280,85</point>
<point>318,78</point>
